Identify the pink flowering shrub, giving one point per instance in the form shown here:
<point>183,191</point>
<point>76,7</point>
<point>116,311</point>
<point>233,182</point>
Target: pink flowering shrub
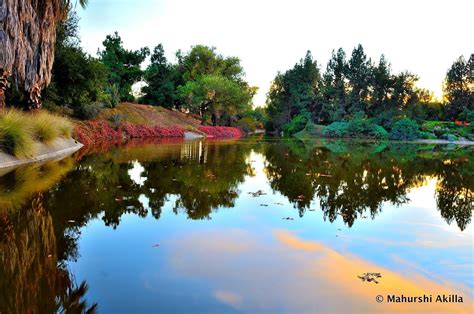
<point>97,131</point>
<point>221,131</point>
<point>143,131</point>
<point>90,132</point>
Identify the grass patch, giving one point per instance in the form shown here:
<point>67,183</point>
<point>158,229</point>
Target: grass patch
<point>19,130</point>
<point>47,127</point>
<point>16,134</point>
<point>64,126</point>
<point>44,127</point>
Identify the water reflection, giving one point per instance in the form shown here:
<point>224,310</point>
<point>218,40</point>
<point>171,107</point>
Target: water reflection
<point>32,279</point>
<point>45,208</point>
<point>349,180</point>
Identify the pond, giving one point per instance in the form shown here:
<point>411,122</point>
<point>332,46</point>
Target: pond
<point>251,225</point>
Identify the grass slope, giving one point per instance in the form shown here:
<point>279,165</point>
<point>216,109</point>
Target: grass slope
<point>150,116</point>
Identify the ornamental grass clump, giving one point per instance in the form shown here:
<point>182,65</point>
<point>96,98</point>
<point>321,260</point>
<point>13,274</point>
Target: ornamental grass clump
<point>16,134</point>
<point>44,127</point>
<point>64,126</point>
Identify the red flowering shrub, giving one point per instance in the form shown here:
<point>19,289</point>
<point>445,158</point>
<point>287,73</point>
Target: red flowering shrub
<point>90,132</point>
<point>143,131</point>
<point>98,131</point>
<point>221,131</point>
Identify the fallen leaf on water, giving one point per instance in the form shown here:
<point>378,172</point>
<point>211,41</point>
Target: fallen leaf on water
<point>370,277</point>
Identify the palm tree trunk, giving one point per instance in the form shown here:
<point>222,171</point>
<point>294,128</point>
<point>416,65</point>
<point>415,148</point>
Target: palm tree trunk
<point>27,39</point>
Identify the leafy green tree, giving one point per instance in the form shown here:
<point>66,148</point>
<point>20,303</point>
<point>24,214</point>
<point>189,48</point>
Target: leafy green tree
<point>203,60</point>
<point>216,97</point>
<point>458,89</point>
<point>160,89</point>
<point>123,65</point>
<point>78,80</point>
<point>212,86</point>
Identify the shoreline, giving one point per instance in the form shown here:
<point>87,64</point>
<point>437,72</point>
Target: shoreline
<point>58,149</point>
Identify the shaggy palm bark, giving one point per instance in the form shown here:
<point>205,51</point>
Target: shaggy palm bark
<point>27,39</point>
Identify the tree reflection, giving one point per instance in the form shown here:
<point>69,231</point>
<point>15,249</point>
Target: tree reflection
<point>454,191</point>
<point>44,207</point>
<point>355,180</point>
<point>32,279</point>
<point>202,180</point>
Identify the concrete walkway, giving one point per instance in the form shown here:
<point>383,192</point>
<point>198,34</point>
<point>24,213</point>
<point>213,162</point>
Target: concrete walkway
<point>58,149</point>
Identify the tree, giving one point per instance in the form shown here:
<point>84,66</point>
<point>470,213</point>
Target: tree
<point>294,93</point>
<point>159,76</point>
<point>359,75</point>
<point>27,41</point>
<point>334,87</point>
<point>458,89</point>
<point>123,65</point>
<point>216,97</point>
<point>78,80</point>
<point>212,86</point>
<point>203,60</point>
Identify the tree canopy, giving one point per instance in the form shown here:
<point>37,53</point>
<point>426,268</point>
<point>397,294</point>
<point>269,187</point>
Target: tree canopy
<point>357,88</point>
<point>123,65</point>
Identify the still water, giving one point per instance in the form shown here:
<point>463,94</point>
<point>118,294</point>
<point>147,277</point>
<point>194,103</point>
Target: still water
<point>252,225</point>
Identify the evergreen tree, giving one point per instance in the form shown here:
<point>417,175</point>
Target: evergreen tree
<point>458,89</point>
<point>123,65</point>
<point>334,92</point>
<point>359,75</point>
<point>160,88</point>
<point>295,93</point>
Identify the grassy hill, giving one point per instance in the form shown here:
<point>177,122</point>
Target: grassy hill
<point>150,116</point>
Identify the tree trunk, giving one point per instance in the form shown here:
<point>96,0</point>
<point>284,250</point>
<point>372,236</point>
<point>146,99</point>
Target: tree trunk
<point>27,39</point>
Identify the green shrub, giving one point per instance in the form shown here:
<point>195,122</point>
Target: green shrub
<point>427,135</point>
<point>88,111</point>
<point>247,124</point>
<point>379,132</point>
<point>449,137</point>
<point>467,115</point>
<point>337,129</point>
<point>16,134</point>
<point>116,119</point>
<point>404,129</point>
<point>44,127</point>
<point>312,130</point>
<point>297,124</point>
<point>359,127</point>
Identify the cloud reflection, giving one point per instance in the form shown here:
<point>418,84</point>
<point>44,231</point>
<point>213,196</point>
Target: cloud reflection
<point>288,274</point>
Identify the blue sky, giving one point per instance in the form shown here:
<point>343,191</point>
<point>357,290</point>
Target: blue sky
<point>424,37</point>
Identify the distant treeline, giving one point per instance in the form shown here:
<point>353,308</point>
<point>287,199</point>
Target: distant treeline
<point>205,83</point>
<point>358,88</point>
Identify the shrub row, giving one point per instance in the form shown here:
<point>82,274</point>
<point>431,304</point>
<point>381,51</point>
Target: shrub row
<point>91,132</point>
<point>19,131</point>
<point>356,129</point>
<point>221,131</point>
<point>143,131</point>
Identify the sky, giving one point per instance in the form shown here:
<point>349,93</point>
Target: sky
<point>423,37</point>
